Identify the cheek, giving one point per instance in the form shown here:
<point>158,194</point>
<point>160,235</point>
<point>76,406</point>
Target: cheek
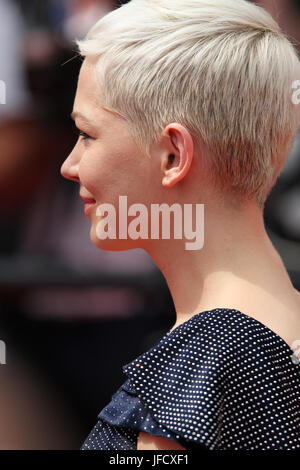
<point>108,171</point>
<point>93,171</point>
<point>103,175</point>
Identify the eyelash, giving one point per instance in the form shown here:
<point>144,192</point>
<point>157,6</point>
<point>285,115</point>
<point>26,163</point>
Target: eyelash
<point>83,135</point>
<point>80,133</point>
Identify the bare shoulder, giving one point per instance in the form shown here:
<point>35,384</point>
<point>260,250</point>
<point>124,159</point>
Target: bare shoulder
<point>281,315</point>
<point>287,320</point>
<point>149,442</point>
<point>297,305</point>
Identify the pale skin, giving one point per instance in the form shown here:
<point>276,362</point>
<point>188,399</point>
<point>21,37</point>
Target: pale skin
<point>238,266</point>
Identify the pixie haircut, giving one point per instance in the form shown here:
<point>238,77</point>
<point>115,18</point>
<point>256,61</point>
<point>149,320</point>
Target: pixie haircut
<point>222,68</point>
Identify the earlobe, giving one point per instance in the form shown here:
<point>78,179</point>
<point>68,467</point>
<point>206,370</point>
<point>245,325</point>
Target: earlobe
<point>168,181</point>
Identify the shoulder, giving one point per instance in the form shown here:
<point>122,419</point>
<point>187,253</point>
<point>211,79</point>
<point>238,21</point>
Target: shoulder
<point>214,343</point>
<point>217,367</point>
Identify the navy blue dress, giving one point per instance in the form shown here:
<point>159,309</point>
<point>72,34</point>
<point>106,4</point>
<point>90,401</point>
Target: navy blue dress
<point>221,380</point>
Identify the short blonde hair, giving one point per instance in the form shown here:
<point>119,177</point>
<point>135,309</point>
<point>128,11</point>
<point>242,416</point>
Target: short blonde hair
<point>221,68</point>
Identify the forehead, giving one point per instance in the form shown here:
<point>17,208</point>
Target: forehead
<point>89,93</point>
<point>88,86</point>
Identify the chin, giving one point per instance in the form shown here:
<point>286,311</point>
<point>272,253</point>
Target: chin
<point>110,244</point>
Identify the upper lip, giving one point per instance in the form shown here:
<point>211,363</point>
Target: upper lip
<point>87,199</point>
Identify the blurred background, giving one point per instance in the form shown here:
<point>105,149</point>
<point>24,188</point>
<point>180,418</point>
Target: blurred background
<point>70,314</point>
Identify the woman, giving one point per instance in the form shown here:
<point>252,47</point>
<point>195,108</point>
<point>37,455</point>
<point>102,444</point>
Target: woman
<point>190,102</point>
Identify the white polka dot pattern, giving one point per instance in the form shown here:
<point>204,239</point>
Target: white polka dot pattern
<point>221,380</point>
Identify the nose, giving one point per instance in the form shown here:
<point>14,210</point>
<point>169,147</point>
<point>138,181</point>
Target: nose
<point>69,168</point>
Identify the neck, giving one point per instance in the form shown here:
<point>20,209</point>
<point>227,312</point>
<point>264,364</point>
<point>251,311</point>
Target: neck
<point>238,259</point>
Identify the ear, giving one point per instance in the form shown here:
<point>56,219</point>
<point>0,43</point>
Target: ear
<point>179,154</point>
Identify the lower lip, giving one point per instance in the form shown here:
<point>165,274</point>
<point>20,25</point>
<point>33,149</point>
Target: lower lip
<point>88,206</point>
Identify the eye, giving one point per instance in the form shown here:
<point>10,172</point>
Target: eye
<point>83,135</point>
<point>79,133</point>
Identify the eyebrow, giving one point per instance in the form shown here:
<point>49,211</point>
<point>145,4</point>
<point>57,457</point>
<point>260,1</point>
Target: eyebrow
<point>75,114</point>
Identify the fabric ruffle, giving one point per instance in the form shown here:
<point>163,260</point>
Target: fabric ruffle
<point>126,410</point>
<point>221,380</point>
<point>122,420</point>
<point>182,390</point>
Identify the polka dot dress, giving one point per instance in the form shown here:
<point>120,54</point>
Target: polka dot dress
<point>221,380</point>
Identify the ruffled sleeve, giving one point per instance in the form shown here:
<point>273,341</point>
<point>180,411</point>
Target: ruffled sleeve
<point>180,382</point>
<point>126,411</point>
<point>221,381</point>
